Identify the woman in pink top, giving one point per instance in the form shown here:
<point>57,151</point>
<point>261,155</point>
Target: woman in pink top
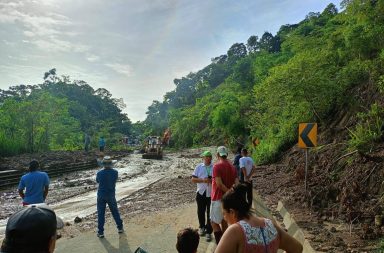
<point>248,233</point>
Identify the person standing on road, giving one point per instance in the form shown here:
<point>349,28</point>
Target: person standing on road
<point>35,183</point>
<point>202,176</point>
<point>248,233</point>
<point>107,178</point>
<point>87,142</point>
<point>101,144</point>
<point>236,161</point>
<point>247,170</point>
<point>224,177</point>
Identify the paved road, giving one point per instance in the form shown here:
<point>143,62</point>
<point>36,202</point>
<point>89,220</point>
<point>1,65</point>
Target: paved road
<point>155,233</point>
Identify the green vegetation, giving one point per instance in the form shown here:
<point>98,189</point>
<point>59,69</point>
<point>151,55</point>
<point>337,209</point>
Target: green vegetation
<point>56,115</point>
<point>306,72</point>
<point>369,130</point>
<point>264,88</point>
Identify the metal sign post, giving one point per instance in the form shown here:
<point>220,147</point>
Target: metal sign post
<point>307,139</point>
<point>306,169</point>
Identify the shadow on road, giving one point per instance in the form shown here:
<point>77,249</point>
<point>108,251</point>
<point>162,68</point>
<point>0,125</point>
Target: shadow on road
<point>123,245</point>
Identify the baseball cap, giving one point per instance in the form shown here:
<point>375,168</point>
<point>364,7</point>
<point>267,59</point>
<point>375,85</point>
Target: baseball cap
<point>206,153</point>
<point>222,151</point>
<point>31,227</point>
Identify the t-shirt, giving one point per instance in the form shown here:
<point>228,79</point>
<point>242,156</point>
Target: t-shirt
<point>227,173</point>
<point>236,160</point>
<point>107,179</point>
<point>34,183</point>
<point>203,171</point>
<point>101,143</point>
<point>247,163</point>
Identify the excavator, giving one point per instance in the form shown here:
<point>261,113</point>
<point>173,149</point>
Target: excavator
<point>153,148</point>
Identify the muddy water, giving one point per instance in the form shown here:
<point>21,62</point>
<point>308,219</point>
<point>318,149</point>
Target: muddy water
<point>75,193</point>
<point>85,204</point>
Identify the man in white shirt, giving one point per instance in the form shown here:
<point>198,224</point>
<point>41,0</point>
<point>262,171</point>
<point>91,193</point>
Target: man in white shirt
<point>202,176</point>
<point>247,168</point>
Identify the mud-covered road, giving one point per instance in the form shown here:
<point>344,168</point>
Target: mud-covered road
<point>74,195</point>
<point>148,186</point>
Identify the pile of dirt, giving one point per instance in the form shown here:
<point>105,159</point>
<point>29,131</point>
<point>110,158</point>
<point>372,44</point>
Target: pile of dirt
<point>343,206</point>
<point>51,158</point>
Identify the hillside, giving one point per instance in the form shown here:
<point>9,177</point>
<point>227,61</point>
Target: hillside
<point>327,69</point>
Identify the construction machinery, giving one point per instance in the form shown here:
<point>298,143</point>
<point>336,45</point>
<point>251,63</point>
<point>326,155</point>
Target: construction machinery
<point>153,148</point>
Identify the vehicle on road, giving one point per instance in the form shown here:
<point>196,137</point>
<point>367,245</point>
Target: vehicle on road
<point>153,148</point>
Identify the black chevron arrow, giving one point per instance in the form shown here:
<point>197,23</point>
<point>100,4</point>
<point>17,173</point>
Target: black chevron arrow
<point>304,135</point>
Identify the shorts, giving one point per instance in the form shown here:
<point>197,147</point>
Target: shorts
<point>216,212</point>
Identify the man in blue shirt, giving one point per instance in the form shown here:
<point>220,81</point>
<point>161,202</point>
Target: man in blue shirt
<point>35,183</point>
<point>107,178</point>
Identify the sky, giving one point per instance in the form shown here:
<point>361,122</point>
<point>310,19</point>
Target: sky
<point>133,48</point>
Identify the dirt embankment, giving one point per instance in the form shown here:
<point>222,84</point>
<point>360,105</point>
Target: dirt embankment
<point>345,188</point>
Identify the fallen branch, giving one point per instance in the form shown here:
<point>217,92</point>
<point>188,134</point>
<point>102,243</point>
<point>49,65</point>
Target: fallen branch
<point>343,156</point>
<point>374,167</point>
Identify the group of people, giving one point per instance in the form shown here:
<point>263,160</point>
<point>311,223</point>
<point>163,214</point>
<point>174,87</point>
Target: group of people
<point>87,143</point>
<point>224,197</point>
<point>33,228</point>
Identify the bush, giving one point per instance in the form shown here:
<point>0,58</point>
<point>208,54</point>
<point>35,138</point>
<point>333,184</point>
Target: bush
<point>369,129</point>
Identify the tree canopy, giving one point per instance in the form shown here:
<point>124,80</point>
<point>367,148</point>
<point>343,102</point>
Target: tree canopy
<point>56,115</point>
<point>262,89</point>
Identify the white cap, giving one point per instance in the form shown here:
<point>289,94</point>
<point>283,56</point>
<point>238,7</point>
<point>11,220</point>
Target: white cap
<point>222,151</point>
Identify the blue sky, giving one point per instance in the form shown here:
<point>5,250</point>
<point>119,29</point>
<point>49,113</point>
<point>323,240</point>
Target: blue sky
<point>133,48</point>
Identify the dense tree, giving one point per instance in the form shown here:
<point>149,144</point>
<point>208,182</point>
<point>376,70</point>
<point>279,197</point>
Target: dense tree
<point>269,43</point>
<point>236,51</point>
<point>157,118</point>
<point>253,44</point>
<point>55,115</point>
<point>300,74</point>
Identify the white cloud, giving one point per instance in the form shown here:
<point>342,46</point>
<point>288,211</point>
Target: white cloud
<point>121,68</point>
<point>93,58</point>
<point>49,31</point>
<point>8,43</point>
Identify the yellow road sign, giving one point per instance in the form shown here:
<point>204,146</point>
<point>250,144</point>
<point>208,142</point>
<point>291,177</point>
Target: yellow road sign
<point>307,135</point>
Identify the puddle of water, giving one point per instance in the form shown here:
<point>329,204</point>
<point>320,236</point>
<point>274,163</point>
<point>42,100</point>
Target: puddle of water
<point>85,204</point>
